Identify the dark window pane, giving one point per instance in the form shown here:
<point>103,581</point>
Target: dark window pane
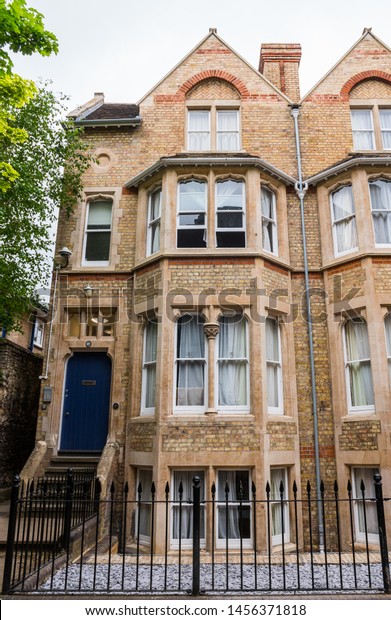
<point>229,220</point>
<point>234,239</point>
<point>192,219</point>
<point>192,238</point>
<point>98,246</point>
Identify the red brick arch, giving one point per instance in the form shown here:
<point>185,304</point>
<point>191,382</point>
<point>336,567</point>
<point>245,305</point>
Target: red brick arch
<point>214,73</point>
<point>364,75</point>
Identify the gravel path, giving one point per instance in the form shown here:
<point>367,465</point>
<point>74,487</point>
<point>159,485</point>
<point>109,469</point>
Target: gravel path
<point>114,580</point>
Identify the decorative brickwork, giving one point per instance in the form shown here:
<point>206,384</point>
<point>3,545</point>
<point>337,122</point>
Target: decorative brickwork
<point>206,436</point>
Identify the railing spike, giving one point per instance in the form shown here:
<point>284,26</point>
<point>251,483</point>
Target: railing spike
<point>322,487</point>
<point>112,488</point>
<point>308,487</point>
<point>335,487</point>
<point>267,488</point>
<point>167,488</point>
<point>126,488</point>
<point>349,487</point>
<point>153,489</point>
<point>294,487</point>
<point>226,488</point>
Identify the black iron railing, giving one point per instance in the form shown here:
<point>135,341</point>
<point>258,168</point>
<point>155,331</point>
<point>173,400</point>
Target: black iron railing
<point>65,537</point>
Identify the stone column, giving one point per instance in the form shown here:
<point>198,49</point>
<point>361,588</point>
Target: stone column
<point>211,330</point>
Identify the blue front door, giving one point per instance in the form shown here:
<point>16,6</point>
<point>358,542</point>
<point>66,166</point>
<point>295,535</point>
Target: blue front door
<point>86,402</point>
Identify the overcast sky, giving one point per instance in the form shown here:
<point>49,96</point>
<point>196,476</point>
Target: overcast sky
<point>124,47</point>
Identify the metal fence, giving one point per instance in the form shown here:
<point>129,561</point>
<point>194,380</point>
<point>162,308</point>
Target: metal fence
<point>64,537</point>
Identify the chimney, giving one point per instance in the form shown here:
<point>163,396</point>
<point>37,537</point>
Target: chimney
<point>279,63</point>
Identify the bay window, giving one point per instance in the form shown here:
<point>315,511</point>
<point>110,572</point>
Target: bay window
<point>182,508</point>
<point>149,368</point>
<point>343,217</point>
<point>273,366</point>
<point>230,214</point>
<point>190,364</point>
<point>387,326</point>
<point>144,505</point>
<point>358,366</point>
<point>380,194</point>
<point>365,513</point>
<point>153,223</point>
<point>279,505</point>
<point>269,221</point>
<point>233,508</point>
<point>232,364</point>
<point>192,208</point>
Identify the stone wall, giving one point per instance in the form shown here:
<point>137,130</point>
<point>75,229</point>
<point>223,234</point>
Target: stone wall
<point>19,394</point>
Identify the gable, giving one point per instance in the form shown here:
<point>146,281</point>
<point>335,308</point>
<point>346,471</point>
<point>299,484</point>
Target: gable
<point>369,57</point>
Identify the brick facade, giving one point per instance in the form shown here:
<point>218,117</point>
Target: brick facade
<point>266,285</point>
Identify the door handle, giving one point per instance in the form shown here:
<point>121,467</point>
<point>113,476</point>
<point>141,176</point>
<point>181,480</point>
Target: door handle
<point>67,413</point>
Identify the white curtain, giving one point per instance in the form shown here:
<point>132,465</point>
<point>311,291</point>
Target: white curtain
<point>359,364</point>
<point>365,474</point>
<point>273,363</point>
<point>233,517</point>
<point>183,525</point>
<point>385,121</point>
<point>277,510</point>
<point>227,130</point>
<point>154,222</point>
<point>344,219</point>
<point>387,325</point>
<point>269,228</point>
<point>381,210</point>
<point>232,363</point>
<point>145,479</point>
<point>150,344</point>
<point>190,362</point>
<point>199,130</point>
<point>362,130</point>
<point>192,197</point>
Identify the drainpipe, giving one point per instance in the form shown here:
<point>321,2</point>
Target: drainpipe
<point>301,189</point>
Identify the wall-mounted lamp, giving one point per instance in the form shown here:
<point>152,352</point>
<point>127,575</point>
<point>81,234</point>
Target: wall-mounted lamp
<point>65,255</point>
<point>88,291</point>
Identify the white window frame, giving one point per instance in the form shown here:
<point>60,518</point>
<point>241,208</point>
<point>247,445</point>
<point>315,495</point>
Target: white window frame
<point>279,409</point>
<point>213,111</point>
<point>153,223</point>
<point>144,539</point>
<point>387,327</point>
<point>270,221</point>
<point>358,504</point>
<point>91,200</point>
<point>233,543</point>
<point>146,365</point>
<point>353,409</point>
<point>221,134</point>
<point>277,539</point>
<point>233,409</point>
<point>358,131</point>
<point>180,212</point>
<point>381,211</point>
<point>383,131</point>
<point>335,222</point>
<point>220,182</point>
<point>190,410</point>
<point>190,132</point>
<point>187,543</point>
<point>39,333</point>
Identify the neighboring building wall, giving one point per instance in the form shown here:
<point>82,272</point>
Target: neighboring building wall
<point>19,394</point>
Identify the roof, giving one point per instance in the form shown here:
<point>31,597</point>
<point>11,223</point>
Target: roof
<point>114,111</point>
<point>354,160</point>
<point>97,113</point>
<point>212,159</point>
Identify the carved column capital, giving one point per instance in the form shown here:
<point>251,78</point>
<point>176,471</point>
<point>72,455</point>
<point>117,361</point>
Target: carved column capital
<point>211,330</point>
